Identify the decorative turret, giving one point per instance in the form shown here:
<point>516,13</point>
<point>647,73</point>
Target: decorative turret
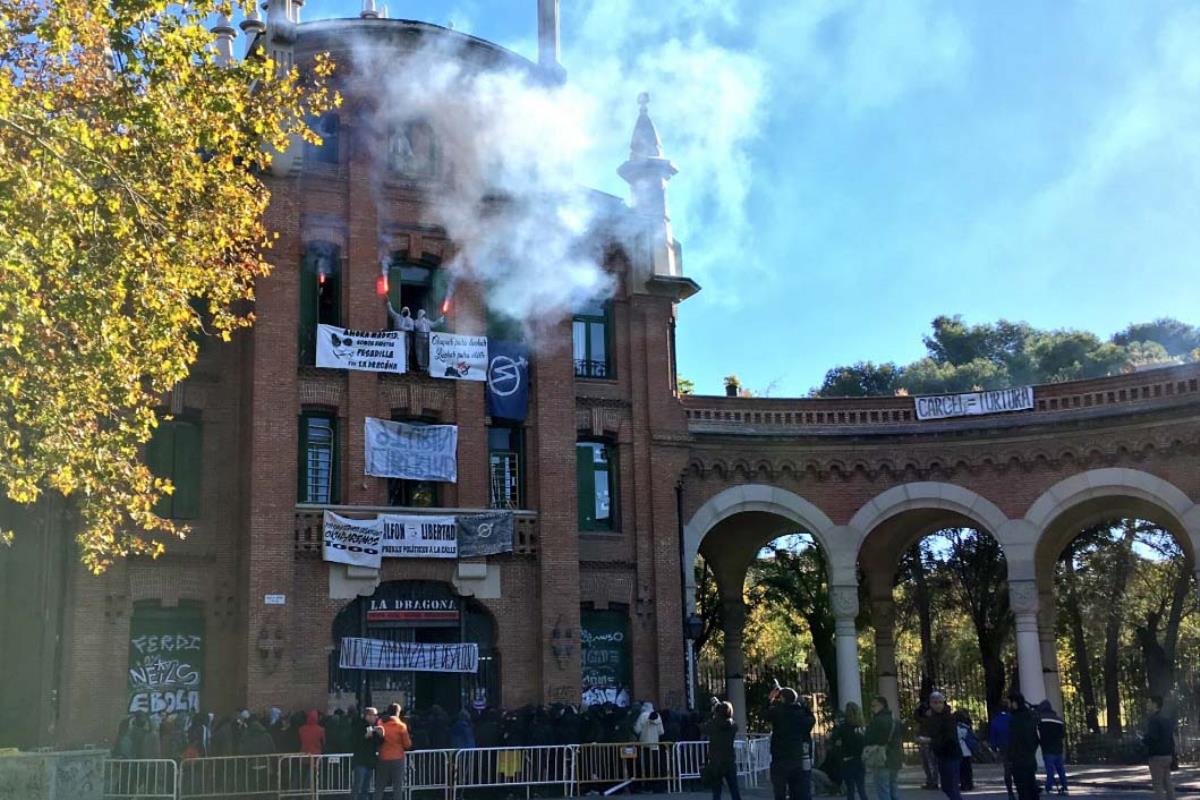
<point>223,33</point>
<point>252,25</point>
<point>282,18</point>
<point>547,13</point>
<point>368,10</point>
<point>647,173</point>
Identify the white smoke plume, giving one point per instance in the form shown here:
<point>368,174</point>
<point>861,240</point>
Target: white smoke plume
<point>510,196</point>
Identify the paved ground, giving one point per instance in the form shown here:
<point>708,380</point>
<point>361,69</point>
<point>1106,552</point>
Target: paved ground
<point>1115,782</point>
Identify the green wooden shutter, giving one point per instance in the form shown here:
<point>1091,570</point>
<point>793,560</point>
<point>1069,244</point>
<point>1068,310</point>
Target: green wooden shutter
<point>394,283</point>
<point>161,461</point>
<point>186,500</point>
<point>585,481</point>
<point>439,286</point>
<point>308,309</point>
<point>335,490</point>
<point>302,459</point>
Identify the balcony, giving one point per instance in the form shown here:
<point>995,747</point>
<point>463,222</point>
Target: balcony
<point>309,520</point>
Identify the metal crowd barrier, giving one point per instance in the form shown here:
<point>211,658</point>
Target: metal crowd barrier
<point>489,767</point>
<point>613,767</point>
<point>238,776</point>
<point>576,769</point>
<point>140,779</point>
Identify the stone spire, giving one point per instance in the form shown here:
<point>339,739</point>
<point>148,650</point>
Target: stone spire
<point>368,10</point>
<point>223,33</point>
<point>547,14</point>
<point>647,173</point>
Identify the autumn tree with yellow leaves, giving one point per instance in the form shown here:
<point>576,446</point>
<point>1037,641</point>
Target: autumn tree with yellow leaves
<point>131,209</point>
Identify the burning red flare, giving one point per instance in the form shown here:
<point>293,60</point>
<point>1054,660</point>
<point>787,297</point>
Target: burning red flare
<point>381,285</point>
<point>446,305</point>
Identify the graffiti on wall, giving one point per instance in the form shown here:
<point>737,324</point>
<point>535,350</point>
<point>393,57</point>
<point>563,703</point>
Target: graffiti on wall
<point>166,661</point>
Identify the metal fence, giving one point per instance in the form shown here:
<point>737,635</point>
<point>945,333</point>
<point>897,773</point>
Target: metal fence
<point>570,769</point>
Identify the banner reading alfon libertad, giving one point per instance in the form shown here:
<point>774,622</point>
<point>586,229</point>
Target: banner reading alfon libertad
<point>411,452</point>
<point>369,351</point>
<point>412,536</point>
<point>358,653</point>
<point>945,406</point>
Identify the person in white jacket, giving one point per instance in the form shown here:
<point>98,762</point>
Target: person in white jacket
<point>649,725</point>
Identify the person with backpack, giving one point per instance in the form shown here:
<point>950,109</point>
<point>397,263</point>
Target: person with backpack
<point>1051,731</point>
<point>882,754</point>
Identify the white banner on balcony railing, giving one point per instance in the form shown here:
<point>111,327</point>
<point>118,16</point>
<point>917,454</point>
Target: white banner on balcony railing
<point>458,356</point>
<point>415,536</point>
<point>380,654</point>
<point>969,404</point>
<point>369,351</point>
<point>352,541</point>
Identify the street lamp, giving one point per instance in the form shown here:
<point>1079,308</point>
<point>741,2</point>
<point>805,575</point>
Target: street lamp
<point>693,626</point>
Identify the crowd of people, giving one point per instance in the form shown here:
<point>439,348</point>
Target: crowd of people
<point>183,736</point>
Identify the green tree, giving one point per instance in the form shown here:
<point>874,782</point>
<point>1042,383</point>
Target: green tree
<point>130,223</point>
<point>1177,338</point>
<point>862,379</point>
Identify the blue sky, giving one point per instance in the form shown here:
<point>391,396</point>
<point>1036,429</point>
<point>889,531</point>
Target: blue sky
<point>849,170</point>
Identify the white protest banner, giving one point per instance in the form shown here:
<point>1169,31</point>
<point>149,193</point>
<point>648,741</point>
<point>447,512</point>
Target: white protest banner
<point>458,356</point>
<point>352,541</point>
<point>419,537</point>
<point>411,452</point>
<point>358,653</point>
<point>369,351</point>
<point>969,404</point>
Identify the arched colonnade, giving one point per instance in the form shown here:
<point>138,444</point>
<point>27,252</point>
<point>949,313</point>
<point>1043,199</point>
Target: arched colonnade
<point>731,526</point>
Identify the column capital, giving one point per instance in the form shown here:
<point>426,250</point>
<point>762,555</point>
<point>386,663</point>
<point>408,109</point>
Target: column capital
<point>1023,597</point>
<point>844,600</point>
<point>883,614</point>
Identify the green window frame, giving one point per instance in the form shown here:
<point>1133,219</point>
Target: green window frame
<point>591,341</point>
<point>506,466</point>
<point>416,285</point>
<point>174,453</point>
<point>596,486</point>
<point>318,463</point>
<point>320,295</point>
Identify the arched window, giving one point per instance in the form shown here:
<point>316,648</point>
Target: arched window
<point>596,479</point>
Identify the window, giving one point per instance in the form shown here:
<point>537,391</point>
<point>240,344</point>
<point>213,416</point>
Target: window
<point>174,453</point>
<point>318,458</point>
<point>412,494</point>
<point>506,448</point>
<point>590,341</point>
<point>326,152</point>
<point>595,472</point>
<point>415,286</point>
<point>412,151</point>
<point>320,295</point>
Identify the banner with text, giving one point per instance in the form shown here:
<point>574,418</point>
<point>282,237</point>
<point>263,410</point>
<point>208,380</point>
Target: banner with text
<point>411,452</point>
<point>458,356</point>
<point>369,351</point>
<point>352,541</point>
<point>419,537</point>
<point>508,380</point>
<point>969,404</point>
<point>357,653</point>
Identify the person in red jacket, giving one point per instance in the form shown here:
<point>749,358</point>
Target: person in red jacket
<point>391,753</point>
<point>312,736</point>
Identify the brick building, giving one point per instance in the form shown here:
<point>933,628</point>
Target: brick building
<point>616,482</point>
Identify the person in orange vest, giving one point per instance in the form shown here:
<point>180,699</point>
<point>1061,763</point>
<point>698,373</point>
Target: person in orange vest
<point>396,740</point>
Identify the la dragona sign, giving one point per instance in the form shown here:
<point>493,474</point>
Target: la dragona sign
<point>945,406</point>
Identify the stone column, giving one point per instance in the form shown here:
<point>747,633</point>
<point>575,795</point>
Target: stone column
<point>735,684</point>
<point>1047,628</point>
<point>1023,598</point>
<point>845,608</point>
<point>883,615</point>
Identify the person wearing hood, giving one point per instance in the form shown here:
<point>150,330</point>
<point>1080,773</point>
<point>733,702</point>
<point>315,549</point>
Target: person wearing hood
<point>884,731</point>
<point>722,762</point>
<point>998,739</point>
<point>255,740</point>
<point>649,726</point>
<point>312,735</point>
<point>1022,746</point>
<point>364,756</point>
<point>1051,732</point>
<point>791,745</point>
<point>462,737</point>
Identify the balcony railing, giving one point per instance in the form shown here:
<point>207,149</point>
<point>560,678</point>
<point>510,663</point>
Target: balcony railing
<point>590,368</point>
<point>309,523</point>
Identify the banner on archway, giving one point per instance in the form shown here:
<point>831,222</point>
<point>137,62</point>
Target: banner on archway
<point>380,654</point>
